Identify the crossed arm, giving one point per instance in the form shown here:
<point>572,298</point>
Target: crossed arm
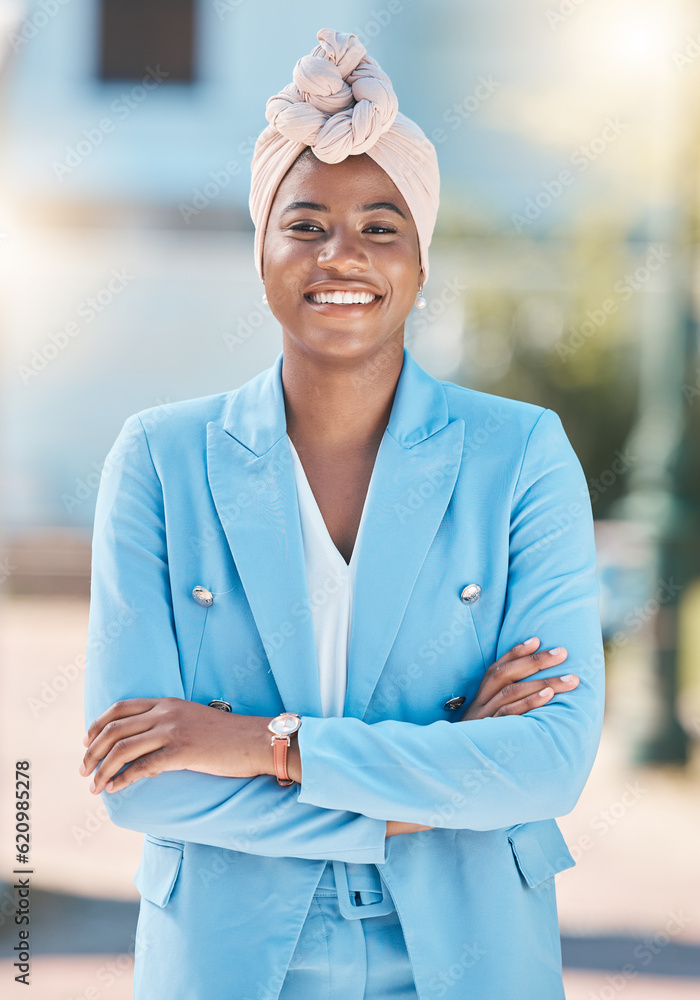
<point>147,736</point>
<point>208,774</point>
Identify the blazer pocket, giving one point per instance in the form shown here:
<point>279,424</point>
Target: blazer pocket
<point>157,873</point>
<point>539,850</point>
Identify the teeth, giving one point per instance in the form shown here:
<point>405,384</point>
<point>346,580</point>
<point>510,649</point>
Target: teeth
<point>344,298</point>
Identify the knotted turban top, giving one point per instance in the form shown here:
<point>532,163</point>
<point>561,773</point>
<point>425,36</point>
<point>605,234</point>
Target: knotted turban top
<point>341,104</point>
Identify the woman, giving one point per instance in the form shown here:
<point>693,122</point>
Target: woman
<point>337,812</point>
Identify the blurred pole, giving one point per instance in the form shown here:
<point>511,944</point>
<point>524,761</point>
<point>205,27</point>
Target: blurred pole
<point>660,437</point>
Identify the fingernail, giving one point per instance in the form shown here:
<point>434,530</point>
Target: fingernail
<point>86,740</point>
<point>109,786</point>
<point>568,677</point>
<point>92,786</point>
<point>556,651</point>
<point>529,642</point>
<point>82,768</point>
<point>545,692</point>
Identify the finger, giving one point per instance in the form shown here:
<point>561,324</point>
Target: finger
<point>117,729</point>
<point>556,685</point>
<point>147,766</point>
<point>513,693</point>
<point>520,649</point>
<point>125,751</point>
<point>526,704</point>
<point>119,710</point>
<point>486,688</point>
<point>501,674</point>
<point>523,689</point>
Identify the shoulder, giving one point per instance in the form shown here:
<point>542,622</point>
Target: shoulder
<point>185,416</point>
<point>172,431</point>
<point>486,415</point>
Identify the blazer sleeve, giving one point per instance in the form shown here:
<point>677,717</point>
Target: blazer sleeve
<point>490,773</point>
<point>132,652</point>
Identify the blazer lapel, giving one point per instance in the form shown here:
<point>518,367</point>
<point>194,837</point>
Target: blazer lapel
<point>416,469</point>
<point>252,482</point>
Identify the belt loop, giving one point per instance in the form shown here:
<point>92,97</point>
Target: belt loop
<point>350,911</point>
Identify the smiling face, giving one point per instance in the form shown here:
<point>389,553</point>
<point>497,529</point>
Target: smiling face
<point>340,258</point>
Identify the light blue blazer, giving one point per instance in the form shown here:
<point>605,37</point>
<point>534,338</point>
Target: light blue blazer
<point>469,488</point>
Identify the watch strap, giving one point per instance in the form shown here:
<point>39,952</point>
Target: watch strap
<point>280,747</point>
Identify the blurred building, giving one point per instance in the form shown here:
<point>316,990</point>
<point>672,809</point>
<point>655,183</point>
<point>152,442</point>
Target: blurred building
<point>127,129</point>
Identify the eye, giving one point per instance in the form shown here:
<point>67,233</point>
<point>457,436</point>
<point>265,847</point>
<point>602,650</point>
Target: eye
<point>305,227</point>
<point>384,229</point>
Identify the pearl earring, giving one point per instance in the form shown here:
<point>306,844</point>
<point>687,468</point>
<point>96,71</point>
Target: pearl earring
<point>421,301</point>
<point>264,298</point>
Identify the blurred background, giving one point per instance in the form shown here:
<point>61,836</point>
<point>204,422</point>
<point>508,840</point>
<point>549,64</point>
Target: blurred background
<point>564,271</point>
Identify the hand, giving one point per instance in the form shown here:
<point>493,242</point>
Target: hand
<point>153,735</point>
<point>502,690</point>
<point>394,826</point>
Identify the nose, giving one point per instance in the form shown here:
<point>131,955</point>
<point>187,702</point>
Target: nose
<point>343,252</point>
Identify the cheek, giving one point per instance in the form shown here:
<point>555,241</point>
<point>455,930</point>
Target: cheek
<point>405,279</point>
<point>285,264</point>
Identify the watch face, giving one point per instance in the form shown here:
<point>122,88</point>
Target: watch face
<point>285,724</point>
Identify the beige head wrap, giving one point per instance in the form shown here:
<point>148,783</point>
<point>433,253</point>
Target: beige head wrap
<point>341,103</point>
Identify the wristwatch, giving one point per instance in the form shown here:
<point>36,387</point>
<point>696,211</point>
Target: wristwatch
<point>283,726</point>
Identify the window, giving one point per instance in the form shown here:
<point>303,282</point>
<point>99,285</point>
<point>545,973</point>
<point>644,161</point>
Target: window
<point>136,34</point>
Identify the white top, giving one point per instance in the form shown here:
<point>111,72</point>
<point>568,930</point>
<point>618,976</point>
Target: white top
<point>331,582</point>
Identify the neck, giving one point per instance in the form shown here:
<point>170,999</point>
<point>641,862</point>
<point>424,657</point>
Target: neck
<point>339,404</point>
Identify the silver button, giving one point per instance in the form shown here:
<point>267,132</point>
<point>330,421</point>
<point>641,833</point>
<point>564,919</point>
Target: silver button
<point>454,703</point>
<point>471,593</point>
<point>223,705</point>
<point>203,596</point>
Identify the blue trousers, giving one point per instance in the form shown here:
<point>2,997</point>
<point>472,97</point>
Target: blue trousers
<point>344,953</point>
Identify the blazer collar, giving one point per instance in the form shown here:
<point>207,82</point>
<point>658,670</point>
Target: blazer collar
<point>252,481</point>
<point>256,415</point>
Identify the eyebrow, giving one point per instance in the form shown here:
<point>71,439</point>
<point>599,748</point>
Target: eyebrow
<point>316,207</point>
<point>381,204</point>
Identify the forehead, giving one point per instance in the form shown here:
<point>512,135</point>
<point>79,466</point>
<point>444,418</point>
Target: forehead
<point>338,185</point>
